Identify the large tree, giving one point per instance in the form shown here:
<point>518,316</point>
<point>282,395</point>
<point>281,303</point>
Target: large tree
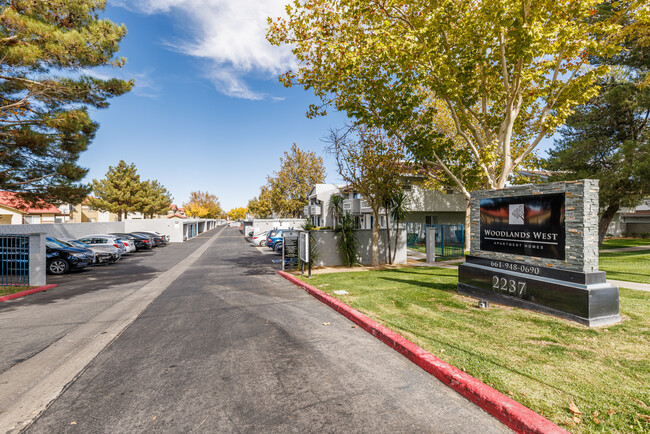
<point>289,187</point>
<point>156,200</point>
<point>261,206</point>
<point>370,163</point>
<point>45,48</point>
<point>237,213</point>
<point>608,138</point>
<point>120,192</point>
<point>507,73</point>
<point>203,205</point>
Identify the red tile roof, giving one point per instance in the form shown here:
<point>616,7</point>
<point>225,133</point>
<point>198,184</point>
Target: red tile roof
<point>11,200</point>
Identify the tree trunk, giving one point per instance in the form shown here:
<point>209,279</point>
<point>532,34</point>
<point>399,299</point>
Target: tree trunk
<point>605,220</point>
<point>396,241</point>
<point>374,252</point>
<point>389,259</point>
<point>468,224</point>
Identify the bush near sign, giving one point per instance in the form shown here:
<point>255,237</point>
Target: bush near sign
<point>535,247</point>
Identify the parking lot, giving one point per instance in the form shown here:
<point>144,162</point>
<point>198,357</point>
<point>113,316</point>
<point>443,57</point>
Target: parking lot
<point>32,323</point>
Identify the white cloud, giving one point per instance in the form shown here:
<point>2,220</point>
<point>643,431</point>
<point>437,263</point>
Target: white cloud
<point>231,34</point>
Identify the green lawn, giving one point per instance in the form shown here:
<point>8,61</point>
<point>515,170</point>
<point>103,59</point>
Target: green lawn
<point>617,243</point>
<point>629,266</point>
<point>6,290</point>
<point>541,361</point>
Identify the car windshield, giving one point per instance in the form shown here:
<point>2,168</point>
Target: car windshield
<point>76,243</point>
<point>272,233</point>
<point>56,244</point>
<point>65,243</point>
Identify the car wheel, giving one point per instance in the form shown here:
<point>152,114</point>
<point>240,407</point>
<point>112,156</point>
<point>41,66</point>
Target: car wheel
<point>263,243</point>
<point>58,266</point>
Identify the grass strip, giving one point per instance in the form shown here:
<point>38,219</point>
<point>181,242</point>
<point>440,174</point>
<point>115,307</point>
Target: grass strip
<point>628,266</point>
<point>585,380</point>
<point>8,290</point>
<point>619,243</point>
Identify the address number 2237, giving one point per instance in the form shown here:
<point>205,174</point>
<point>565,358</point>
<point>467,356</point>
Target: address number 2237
<point>509,286</point>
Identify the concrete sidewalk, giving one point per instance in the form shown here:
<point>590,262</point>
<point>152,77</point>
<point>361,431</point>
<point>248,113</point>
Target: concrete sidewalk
<point>626,249</point>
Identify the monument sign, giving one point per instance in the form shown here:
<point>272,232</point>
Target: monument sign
<point>536,247</point>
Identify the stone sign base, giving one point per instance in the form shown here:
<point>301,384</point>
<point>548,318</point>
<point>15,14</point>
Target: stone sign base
<point>578,296</point>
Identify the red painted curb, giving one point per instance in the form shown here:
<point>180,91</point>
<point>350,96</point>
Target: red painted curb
<point>28,292</point>
<point>514,415</point>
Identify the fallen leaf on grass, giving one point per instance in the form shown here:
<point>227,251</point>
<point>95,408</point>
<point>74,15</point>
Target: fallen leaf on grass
<point>573,408</point>
<point>644,416</point>
<point>577,420</point>
<point>611,411</point>
<point>596,420</point>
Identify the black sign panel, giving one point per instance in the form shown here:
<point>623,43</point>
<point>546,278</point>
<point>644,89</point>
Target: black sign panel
<point>290,250</point>
<point>524,225</point>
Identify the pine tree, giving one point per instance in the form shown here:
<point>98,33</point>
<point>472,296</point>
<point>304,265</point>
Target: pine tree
<point>120,192</point>
<point>155,198</point>
<point>44,121</point>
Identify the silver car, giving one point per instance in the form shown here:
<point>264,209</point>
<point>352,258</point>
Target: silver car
<point>104,240</point>
<point>104,254</point>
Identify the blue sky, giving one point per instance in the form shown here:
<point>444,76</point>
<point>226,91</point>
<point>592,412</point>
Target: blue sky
<point>201,119</point>
<point>208,112</point>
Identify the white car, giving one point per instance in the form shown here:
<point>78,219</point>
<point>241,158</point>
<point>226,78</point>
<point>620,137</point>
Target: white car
<point>130,245</point>
<point>259,239</point>
<point>103,240</point>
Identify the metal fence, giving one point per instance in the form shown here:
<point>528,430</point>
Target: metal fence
<point>450,239</point>
<point>14,260</point>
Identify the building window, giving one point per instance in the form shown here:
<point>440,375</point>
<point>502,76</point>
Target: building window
<point>431,220</point>
<point>406,186</point>
<point>32,219</point>
<point>449,191</point>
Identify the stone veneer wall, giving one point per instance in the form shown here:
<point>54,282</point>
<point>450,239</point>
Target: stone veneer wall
<point>580,223</point>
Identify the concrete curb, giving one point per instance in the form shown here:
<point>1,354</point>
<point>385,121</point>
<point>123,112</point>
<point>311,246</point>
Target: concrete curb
<point>514,415</point>
<point>28,292</point>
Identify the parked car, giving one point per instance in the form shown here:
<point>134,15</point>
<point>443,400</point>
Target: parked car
<point>277,247</point>
<point>129,244</point>
<point>103,240</point>
<point>259,239</point>
<point>141,242</point>
<point>159,239</point>
<point>60,258</point>
<point>274,236</point>
<point>103,254</point>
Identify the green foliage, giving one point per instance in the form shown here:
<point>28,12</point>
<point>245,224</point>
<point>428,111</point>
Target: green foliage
<point>335,206</point>
<point>44,100</point>
<point>156,200</point>
<point>285,193</point>
<point>120,192</point>
<point>608,138</point>
<point>370,162</point>
<point>347,243</point>
<point>507,73</point>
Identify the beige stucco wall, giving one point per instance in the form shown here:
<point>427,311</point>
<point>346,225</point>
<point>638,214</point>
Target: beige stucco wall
<point>10,217</point>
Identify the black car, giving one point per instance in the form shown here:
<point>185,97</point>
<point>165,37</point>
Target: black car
<point>159,240</point>
<point>60,258</point>
<point>141,242</point>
